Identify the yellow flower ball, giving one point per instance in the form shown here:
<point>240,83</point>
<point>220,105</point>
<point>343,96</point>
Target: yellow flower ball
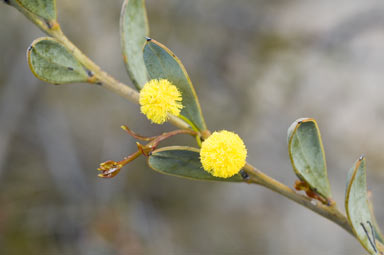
<point>158,98</point>
<point>223,154</point>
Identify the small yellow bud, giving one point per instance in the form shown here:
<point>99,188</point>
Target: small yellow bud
<point>223,154</point>
<point>158,98</point>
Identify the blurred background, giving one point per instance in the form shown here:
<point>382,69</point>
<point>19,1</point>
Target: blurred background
<point>256,65</point>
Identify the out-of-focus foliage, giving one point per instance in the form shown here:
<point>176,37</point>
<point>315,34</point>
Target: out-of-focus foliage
<point>134,30</point>
<point>357,208</point>
<point>256,66</point>
<point>45,9</point>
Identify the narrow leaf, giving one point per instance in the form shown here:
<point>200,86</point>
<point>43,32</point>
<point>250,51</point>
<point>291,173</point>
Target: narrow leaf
<point>50,61</point>
<point>357,207</point>
<point>134,29</point>
<point>43,8</point>
<point>161,63</point>
<point>307,155</point>
<point>184,162</point>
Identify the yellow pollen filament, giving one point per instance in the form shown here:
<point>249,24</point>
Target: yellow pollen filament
<point>223,154</point>
<point>158,98</point>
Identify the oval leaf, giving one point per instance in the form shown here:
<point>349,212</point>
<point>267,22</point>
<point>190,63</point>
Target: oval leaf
<point>357,206</point>
<point>43,8</point>
<point>307,155</point>
<point>161,63</point>
<point>184,162</point>
<point>134,29</point>
<point>50,61</point>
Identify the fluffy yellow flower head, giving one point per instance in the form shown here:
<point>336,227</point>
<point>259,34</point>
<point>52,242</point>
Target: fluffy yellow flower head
<point>158,98</point>
<point>223,154</point>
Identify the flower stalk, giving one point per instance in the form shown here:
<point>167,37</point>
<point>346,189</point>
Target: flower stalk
<point>256,176</point>
<point>111,168</point>
<point>330,212</point>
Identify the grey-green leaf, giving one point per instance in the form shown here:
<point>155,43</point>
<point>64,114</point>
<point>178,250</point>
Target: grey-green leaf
<point>43,8</point>
<point>50,61</point>
<point>184,162</point>
<point>307,155</point>
<point>161,63</point>
<point>357,206</point>
<point>134,29</point>
<point>379,235</point>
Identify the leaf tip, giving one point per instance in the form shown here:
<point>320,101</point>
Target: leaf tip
<point>293,127</point>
